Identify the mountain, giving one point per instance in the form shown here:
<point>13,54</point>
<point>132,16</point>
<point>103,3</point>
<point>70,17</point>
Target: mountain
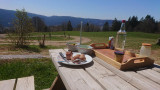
<point>7,16</point>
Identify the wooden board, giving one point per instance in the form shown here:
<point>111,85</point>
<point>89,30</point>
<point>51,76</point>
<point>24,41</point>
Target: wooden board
<point>107,59</point>
<point>110,53</point>
<point>108,79</point>
<point>128,62</point>
<point>74,78</point>
<point>131,77</point>
<point>156,68</point>
<point>7,84</point>
<point>150,74</point>
<point>25,83</point>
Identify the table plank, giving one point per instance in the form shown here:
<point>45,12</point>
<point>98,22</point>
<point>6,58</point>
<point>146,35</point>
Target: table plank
<point>25,83</point>
<point>108,79</point>
<point>74,78</point>
<point>131,77</point>
<point>150,74</point>
<point>7,84</point>
<point>156,68</point>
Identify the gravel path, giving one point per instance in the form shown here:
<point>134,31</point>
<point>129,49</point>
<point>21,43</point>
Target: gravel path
<point>2,57</point>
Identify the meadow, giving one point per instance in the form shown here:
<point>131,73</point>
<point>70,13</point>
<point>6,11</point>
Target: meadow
<point>133,41</point>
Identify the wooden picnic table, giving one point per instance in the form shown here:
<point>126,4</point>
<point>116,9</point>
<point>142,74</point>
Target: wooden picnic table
<point>99,75</point>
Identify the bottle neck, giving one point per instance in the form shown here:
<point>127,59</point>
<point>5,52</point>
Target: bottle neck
<point>122,26</point>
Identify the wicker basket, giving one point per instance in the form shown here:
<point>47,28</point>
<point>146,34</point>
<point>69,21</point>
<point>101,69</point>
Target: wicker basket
<point>72,46</point>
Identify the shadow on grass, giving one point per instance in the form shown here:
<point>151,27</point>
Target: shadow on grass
<point>32,48</point>
<point>37,48</point>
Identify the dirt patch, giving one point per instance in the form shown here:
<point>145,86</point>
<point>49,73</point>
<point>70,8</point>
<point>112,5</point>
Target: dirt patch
<point>49,42</point>
<point>9,50</point>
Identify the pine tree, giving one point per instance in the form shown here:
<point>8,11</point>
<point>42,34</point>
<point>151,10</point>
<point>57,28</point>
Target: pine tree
<point>149,24</point>
<point>69,26</point>
<point>87,27</point>
<point>132,23</point>
<point>105,27</point>
<point>39,24</point>
<point>116,25</point>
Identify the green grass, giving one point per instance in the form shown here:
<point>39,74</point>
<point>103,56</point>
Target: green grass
<point>134,39</point>
<point>30,48</point>
<point>42,69</point>
<point>53,38</point>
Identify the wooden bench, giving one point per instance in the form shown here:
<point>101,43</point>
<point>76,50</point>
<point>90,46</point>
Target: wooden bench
<point>25,83</point>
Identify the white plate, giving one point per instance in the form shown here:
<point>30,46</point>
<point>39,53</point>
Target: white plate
<point>88,60</point>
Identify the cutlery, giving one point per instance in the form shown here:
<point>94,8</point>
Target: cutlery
<point>64,58</point>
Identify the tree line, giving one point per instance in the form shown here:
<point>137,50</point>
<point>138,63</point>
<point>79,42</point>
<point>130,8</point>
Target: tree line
<point>147,24</point>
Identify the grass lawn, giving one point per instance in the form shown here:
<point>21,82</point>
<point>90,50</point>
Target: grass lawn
<point>53,38</point>
<point>8,49</point>
<point>43,71</point>
<point>134,39</point>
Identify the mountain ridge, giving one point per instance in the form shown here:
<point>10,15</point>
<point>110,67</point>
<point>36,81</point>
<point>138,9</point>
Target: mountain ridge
<point>7,16</point>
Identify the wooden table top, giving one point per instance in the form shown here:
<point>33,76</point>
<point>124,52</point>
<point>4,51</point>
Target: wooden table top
<point>99,75</point>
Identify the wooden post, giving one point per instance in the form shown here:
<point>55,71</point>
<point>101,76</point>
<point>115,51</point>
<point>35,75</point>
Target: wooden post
<point>57,84</point>
<point>158,41</point>
<point>81,33</point>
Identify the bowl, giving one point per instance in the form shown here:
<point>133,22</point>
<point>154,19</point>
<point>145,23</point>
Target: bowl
<point>85,49</point>
<point>72,46</point>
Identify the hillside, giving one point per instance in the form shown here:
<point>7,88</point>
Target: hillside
<point>6,17</point>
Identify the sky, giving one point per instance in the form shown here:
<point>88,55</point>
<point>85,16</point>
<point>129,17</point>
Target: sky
<point>98,9</point>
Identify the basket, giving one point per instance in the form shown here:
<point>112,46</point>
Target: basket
<point>72,46</point>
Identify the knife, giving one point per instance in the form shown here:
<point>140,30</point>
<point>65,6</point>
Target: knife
<point>64,58</point>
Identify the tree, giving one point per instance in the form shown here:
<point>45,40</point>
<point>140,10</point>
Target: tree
<point>116,25</point>
<point>78,27</point>
<point>105,27</point>
<point>64,27</point>
<point>22,25</point>
<point>87,27</point>
<point>158,26</point>
<point>69,26</point>
<point>39,24</point>
<point>1,28</point>
<point>149,24</point>
<point>132,23</point>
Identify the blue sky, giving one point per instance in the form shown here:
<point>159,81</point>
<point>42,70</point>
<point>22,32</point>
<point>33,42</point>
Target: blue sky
<point>99,9</point>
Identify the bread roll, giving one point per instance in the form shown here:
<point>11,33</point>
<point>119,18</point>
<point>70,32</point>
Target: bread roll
<point>76,57</point>
<point>72,58</point>
<point>82,57</point>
